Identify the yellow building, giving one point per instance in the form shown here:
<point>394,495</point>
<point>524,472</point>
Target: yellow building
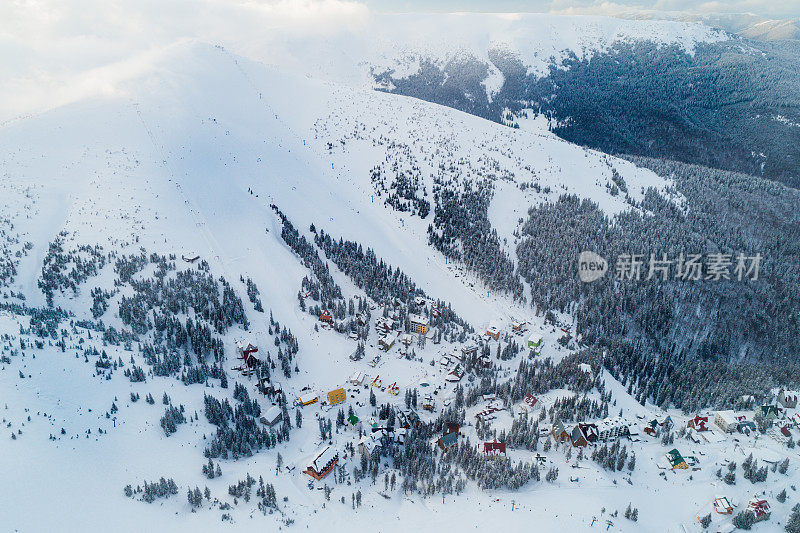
<point>337,396</point>
<point>419,324</point>
<point>308,399</point>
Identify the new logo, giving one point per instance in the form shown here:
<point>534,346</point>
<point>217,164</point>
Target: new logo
<point>591,266</point>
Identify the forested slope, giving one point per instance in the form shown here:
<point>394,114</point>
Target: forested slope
<point>730,105</point>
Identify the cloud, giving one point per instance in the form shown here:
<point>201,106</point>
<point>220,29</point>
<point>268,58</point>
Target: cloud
<point>764,8</point>
<point>54,52</point>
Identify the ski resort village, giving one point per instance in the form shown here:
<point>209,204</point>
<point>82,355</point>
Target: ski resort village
<point>245,296</point>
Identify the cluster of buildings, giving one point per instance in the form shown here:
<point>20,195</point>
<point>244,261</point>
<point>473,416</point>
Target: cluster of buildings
<point>518,327</point>
<point>489,413</point>
<point>451,434</point>
<point>327,321</point>
<point>379,436</point>
<point>388,329</point>
<point>469,350</point>
<point>774,412</point>
<point>585,433</point>
<point>758,506</point>
<point>374,436</point>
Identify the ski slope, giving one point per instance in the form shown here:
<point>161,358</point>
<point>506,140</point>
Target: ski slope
<point>171,160</point>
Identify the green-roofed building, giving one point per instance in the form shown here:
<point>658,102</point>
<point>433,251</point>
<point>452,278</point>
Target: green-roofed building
<point>676,459</point>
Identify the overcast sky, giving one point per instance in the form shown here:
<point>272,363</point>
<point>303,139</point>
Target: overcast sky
<point>765,8</point>
<point>54,51</point>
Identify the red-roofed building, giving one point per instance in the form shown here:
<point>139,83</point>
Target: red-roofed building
<point>531,400</point>
<point>699,423</point>
<point>494,449</point>
<point>246,353</point>
<point>759,508</point>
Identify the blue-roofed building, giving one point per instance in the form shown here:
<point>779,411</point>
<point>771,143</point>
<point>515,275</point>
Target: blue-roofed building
<point>447,440</point>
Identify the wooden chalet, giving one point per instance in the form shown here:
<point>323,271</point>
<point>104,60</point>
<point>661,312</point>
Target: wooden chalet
<point>407,419</point>
<point>531,401</point>
<point>590,431</point>
<point>470,349</point>
<point>308,399</point>
<point>323,463</point>
<point>578,438</point>
<point>449,437</point>
<point>273,416</point>
<point>559,432</point>
<point>455,375</point>
<point>369,442</point>
<point>386,342</point>
<point>428,403</point>
<point>247,353</point>
<point>535,342</point>
<point>268,388</point>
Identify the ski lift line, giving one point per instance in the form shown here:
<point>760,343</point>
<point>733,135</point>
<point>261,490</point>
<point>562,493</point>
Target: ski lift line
<point>321,156</point>
<point>206,234</point>
<point>266,104</point>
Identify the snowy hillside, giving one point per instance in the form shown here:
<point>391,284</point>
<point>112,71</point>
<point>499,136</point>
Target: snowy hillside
<point>400,41</point>
<point>142,231</point>
<point>205,127</point>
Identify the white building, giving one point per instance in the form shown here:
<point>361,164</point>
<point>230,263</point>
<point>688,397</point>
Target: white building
<point>726,421</point>
<point>273,415</point>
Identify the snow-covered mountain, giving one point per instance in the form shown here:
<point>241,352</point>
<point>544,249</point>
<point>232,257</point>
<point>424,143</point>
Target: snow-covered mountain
<point>400,41</point>
<point>203,152</point>
<point>187,141</point>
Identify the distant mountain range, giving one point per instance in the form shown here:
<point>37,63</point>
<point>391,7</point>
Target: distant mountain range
<point>744,24</point>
